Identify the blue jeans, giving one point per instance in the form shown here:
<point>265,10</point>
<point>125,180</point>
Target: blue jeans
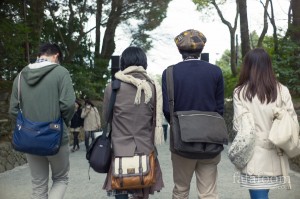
<point>121,196</point>
<point>259,193</point>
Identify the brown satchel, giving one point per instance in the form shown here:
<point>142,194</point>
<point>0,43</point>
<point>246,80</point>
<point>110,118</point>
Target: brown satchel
<point>134,172</point>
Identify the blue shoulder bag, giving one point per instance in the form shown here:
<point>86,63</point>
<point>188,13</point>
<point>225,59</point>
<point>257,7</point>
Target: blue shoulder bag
<point>37,138</point>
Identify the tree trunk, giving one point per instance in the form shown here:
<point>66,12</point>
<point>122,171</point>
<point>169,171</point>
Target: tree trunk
<point>109,45</point>
<point>35,23</point>
<point>294,28</point>
<point>245,41</point>
<point>233,54</point>
<point>265,29</point>
<point>232,30</point>
<point>272,20</point>
<point>98,25</point>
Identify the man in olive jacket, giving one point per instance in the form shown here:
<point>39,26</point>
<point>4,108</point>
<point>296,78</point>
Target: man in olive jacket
<point>46,93</point>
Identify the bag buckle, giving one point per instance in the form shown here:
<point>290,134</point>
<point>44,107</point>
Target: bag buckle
<point>131,171</point>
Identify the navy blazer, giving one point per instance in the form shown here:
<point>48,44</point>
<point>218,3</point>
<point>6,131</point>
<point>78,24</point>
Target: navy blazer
<point>198,85</point>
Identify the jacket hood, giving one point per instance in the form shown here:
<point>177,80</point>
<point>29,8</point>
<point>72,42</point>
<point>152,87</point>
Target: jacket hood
<point>33,73</point>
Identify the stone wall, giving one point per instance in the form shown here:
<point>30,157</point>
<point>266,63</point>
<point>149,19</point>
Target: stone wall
<point>9,158</point>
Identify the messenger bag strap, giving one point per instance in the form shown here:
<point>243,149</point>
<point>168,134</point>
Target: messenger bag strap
<point>141,170</point>
<point>170,89</point>
<point>121,172</point>
<point>115,87</point>
<point>19,91</point>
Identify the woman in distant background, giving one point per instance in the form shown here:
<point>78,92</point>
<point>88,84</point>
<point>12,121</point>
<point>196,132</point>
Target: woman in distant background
<point>91,123</point>
<point>259,92</point>
<point>76,124</point>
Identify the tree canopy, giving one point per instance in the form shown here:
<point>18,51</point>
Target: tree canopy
<point>283,47</point>
<point>87,49</point>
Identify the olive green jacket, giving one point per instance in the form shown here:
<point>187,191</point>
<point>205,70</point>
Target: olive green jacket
<point>46,94</point>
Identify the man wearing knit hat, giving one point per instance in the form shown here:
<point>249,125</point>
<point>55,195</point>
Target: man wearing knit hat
<point>198,85</point>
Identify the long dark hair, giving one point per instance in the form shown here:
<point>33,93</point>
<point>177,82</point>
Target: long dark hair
<point>257,77</point>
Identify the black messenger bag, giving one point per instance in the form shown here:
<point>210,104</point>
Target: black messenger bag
<point>195,134</point>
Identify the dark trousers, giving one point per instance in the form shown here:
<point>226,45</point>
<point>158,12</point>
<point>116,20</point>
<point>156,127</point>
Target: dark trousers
<point>165,128</point>
<point>87,135</point>
<point>76,140</point>
<point>121,196</point>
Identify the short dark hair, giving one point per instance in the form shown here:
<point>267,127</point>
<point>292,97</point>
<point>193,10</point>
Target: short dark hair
<point>133,56</point>
<point>87,101</point>
<point>49,49</point>
<point>195,53</point>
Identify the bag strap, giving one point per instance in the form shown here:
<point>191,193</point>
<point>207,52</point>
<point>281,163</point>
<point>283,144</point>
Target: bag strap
<point>279,150</point>
<point>283,168</point>
<point>19,91</point>
<point>170,89</point>
<point>115,87</point>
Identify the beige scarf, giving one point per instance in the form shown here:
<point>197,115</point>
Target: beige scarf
<point>143,85</point>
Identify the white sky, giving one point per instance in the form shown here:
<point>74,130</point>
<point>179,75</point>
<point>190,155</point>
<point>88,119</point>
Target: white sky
<point>182,15</point>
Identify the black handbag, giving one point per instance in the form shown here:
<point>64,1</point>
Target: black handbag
<point>99,153</point>
<point>195,134</point>
<point>37,138</point>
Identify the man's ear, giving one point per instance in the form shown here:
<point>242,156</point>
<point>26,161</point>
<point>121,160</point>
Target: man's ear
<point>56,58</point>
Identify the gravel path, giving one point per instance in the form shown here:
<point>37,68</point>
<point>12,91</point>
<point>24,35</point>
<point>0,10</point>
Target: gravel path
<point>16,184</point>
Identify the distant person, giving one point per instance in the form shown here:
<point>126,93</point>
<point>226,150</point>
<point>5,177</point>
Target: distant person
<point>137,118</point>
<point>47,94</point>
<point>260,91</point>
<point>198,85</point>
<point>91,122</point>
<point>76,125</point>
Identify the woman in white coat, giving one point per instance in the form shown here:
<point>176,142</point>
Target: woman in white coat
<point>91,122</point>
<point>259,92</point>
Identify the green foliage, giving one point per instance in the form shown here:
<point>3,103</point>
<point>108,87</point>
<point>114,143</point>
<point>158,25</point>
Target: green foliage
<point>67,24</point>
<point>287,65</point>
<point>202,4</point>
<point>224,61</point>
<point>12,34</point>
<point>230,83</point>
<point>141,23</point>
<point>286,62</point>
<point>229,79</point>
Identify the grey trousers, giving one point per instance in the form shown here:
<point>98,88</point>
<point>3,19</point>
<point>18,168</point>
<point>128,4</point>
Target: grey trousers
<point>206,176</point>
<point>39,168</point>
